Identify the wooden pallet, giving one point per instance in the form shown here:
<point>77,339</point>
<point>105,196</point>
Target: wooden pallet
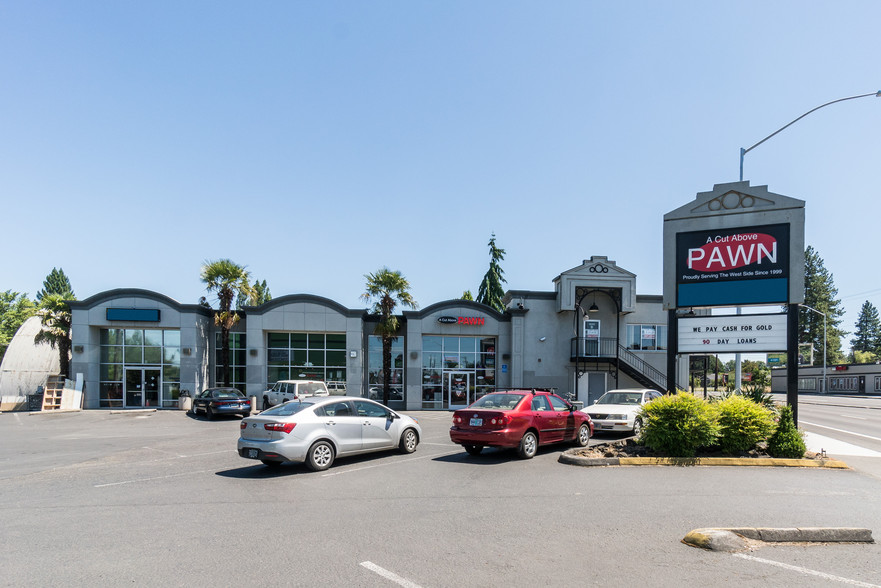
<point>52,393</point>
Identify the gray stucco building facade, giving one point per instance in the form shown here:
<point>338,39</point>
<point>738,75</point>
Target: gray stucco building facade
<point>592,332</point>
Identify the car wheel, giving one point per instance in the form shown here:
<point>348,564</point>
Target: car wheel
<point>528,446</point>
<point>266,404</point>
<point>582,438</point>
<point>473,449</point>
<point>320,456</point>
<point>637,428</point>
<point>270,464</point>
<point>209,414</point>
<point>409,441</point>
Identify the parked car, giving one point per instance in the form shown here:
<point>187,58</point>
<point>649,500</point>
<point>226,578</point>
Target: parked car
<point>215,401</point>
<point>285,390</point>
<point>316,430</point>
<point>618,410</point>
<point>521,419</point>
<point>336,388</point>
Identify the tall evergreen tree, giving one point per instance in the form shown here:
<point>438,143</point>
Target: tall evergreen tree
<point>867,336</point>
<point>387,288</point>
<point>56,283</point>
<point>491,291</point>
<point>820,294</point>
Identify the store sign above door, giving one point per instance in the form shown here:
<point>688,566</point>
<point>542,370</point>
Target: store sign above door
<point>476,321</point>
<point>733,266</point>
<point>745,333</point>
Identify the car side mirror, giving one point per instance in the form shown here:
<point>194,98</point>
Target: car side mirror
<point>392,416</point>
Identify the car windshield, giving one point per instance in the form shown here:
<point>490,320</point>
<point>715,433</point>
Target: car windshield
<point>620,398</point>
<point>228,394</point>
<point>287,409</point>
<point>503,401</point>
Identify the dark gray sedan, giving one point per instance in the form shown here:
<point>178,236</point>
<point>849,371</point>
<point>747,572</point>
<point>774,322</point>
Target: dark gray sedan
<point>317,430</point>
<point>215,401</point>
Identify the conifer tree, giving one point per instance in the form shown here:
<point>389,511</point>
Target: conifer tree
<point>56,283</point>
<point>867,336</point>
<point>491,291</point>
<point>820,294</point>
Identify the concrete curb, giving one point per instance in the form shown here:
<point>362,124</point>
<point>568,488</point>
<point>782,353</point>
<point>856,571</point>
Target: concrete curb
<point>737,539</point>
<point>569,457</point>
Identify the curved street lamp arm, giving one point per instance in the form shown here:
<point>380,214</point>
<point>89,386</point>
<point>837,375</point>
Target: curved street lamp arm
<point>747,150</point>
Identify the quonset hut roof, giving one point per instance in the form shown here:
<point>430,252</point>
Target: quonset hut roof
<point>26,365</point>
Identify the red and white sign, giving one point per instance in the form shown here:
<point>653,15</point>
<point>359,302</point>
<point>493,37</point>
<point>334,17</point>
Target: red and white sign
<point>732,252</point>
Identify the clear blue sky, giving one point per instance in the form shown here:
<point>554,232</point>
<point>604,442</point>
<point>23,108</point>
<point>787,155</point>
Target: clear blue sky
<point>315,142</point>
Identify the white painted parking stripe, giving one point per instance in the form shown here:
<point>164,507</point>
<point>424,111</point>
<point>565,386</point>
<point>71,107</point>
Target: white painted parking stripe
<point>151,479</point>
<point>381,465</point>
<point>806,571</point>
<point>388,575</point>
<point>800,422</point>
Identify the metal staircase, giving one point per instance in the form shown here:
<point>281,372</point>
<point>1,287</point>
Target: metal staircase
<point>606,352</point>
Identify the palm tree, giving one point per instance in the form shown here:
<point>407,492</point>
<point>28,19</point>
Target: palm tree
<point>55,317</point>
<point>227,279</point>
<point>387,288</point>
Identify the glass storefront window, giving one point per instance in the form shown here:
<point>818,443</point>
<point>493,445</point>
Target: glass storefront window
<point>139,358</point>
<point>375,375</point>
<point>237,360</point>
<point>460,360</point>
<point>305,356</point>
<point>647,337</point>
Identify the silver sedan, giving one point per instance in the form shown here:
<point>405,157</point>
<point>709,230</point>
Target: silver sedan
<point>317,430</point>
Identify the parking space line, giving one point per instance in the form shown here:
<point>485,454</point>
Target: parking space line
<point>388,575</point>
<point>800,422</point>
<point>805,571</point>
<point>151,479</point>
<point>396,462</point>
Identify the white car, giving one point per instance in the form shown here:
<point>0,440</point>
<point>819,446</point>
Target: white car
<point>618,410</point>
<point>317,430</point>
<point>285,390</point>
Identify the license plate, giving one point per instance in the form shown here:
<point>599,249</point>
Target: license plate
<point>253,453</point>
<point>476,422</point>
<point>607,426</point>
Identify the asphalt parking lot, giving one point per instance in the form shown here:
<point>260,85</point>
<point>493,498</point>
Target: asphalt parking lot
<point>161,498</point>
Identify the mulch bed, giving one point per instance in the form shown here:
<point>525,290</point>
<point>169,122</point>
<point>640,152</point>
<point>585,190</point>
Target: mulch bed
<point>630,448</point>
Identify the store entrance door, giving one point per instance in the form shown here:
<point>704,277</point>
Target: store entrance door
<point>458,389</point>
<point>141,387</point>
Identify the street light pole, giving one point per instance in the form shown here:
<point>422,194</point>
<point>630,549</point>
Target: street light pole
<point>743,151</point>
<point>824,342</point>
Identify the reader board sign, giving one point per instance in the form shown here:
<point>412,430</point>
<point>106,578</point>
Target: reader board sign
<point>746,333</point>
<point>733,266</point>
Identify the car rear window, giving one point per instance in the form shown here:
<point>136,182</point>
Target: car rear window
<point>228,394</point>
<point>621,398</point>
<point>287,409</point>
<point>501,401</point>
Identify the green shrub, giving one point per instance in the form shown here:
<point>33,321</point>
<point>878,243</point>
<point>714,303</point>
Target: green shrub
<point>757,394</point>
<point>678,425</point>
<point>787,441</point>
<point>742,423</point>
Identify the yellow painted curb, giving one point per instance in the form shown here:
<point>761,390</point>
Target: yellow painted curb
<point>734,461</point>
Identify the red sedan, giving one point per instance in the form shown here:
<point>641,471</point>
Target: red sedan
<point>521,419</point>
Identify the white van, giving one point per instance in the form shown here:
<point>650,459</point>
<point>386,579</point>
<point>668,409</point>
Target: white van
<point>285,390</point>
